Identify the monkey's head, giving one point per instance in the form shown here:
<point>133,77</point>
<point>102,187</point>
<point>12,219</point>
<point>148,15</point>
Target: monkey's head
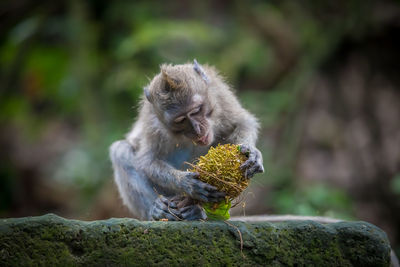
<point>180,99</point>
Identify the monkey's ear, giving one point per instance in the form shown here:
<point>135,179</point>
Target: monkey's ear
<point>197,68</point>
<point>170,83</point>
<point>147,94</point>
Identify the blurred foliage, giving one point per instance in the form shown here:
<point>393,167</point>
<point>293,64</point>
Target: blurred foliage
<point>395,185</point>
<point>84,64</point>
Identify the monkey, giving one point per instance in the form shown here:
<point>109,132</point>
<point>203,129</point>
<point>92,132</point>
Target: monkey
<point>183,111</point>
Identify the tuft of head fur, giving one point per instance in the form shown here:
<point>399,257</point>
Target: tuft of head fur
<point>171,78</point>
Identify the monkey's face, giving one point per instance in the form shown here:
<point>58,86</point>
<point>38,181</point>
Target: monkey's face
<point>179,95</point>
<point>193,120</point>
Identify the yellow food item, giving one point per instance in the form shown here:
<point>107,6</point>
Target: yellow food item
<point>220,167</point>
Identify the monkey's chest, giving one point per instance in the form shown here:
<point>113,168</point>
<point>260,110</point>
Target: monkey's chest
<point>179,156</point>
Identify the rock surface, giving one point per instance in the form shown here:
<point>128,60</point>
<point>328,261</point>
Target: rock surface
<point>53,241</point>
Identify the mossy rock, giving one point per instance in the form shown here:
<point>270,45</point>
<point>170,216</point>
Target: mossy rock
<point>53,241</point>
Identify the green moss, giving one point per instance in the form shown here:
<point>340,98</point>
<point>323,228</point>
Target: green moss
<point>52,240</point>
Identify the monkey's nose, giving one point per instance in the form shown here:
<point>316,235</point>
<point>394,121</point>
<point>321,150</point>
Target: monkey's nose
<point>196,128</point>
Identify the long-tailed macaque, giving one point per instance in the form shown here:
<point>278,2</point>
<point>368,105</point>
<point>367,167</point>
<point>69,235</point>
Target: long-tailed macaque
<point>185,110</point>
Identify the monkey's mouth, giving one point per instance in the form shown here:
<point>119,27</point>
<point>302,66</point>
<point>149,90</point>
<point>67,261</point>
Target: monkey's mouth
<point>204,140</point>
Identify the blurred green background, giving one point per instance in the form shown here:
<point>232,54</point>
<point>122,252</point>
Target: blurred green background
<point>322,77</point>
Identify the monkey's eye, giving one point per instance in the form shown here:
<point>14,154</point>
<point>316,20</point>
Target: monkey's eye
<point>180,119</point>
<point>196,110</point>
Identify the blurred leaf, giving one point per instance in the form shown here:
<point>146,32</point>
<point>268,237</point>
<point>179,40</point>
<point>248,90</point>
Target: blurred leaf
<point>25,29</point>
<point>177,38</point>
<point>395,184</point>
<point>49,65</point>
<point>313,199</point>
<point>268,106</point>
<point>8,50</point>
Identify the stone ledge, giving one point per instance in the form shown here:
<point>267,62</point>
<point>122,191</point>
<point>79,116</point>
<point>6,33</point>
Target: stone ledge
<point>53,241</point>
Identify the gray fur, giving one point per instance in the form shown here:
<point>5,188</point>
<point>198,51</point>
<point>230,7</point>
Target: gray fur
<point>149,165</point>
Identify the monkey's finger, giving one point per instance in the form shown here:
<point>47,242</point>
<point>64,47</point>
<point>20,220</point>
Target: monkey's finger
<point>194,212</point>
<point>174,211</point>
<point>217,194</point>
<point>201,197</point>
<point>208,190</point>
<point>185,209</point>
<point>205,186</point>
<point>211,189</point>
<point>161,206</point>
<point>173,205</point>
<point>211,196</point>
<point>247,164</point>
<point>198,190</point>
<point>158,214</point>
<point>194,175</point>
<point>177,199</point>
<point>249,174</point>
<point>171,214</point>
<point>168,202</point>
<point>213,199</point>
<point>253,170</point>
<point>251,161</point>
<point>163,199</point>
<point>160,203</point>
<point>171,210</point>
<point>208,187</point>
<point>260,168</point>
<point>258,164</point>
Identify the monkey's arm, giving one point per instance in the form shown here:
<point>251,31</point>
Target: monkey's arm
<point>163,174</point>
<point>137,190</point>
<point>245,134</point>
<point>238,126</point>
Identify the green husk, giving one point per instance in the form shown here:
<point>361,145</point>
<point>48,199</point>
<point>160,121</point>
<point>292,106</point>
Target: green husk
<point>218,211</point>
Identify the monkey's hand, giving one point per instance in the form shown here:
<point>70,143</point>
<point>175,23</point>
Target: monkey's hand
<point>164,208</point>
<point>189,209</point>
<point>193,213</point>
<point>198,190</point>
<point>255,162</point>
